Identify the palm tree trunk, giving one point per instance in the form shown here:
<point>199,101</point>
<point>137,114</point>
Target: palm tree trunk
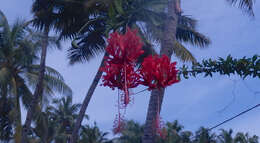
<point>18,121</point>
<point>39,87</point>
<point>86,102</point>
<point>167,45</point>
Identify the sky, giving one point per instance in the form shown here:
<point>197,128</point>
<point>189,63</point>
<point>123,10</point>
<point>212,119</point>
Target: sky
<point>194,102</point>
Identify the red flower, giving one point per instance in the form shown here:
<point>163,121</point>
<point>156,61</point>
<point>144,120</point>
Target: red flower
<point>123,52</point>
<point>124,49</point>
<point>120,76</point>
<point>119,68</point>
<point>158,72</point>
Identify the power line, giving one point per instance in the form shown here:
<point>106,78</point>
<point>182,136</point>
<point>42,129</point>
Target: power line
<point>225,121</point>
<point>241,113</point>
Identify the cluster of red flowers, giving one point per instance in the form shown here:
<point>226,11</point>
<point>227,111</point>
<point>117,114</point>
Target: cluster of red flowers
<point>155,72</point>
<point>123,52</point>
<point>158,72</point>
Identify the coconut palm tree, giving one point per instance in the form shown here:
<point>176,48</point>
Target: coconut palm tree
<point>174,134</point>
<point>65,113</point>
<point>56,122</point>
<point>245,138</point>
<point>132,132</point>
<point>45,27</point>
<point>203,135</point>
<point>45,129</point>
<point>60,15</point>
<point>226,136</point>
<point>92,135</point>
<point>19,70</point>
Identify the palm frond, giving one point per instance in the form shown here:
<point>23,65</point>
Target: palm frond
<point>55,42</point>
<point>88,47</point>
<point>48,70</point>
<point>182,53</point>
<point>25,54</point>
<point>44,15</point>
<point>57,85</point>
<point>5,46</point>
<point>37,36</point>
<point>187,21</point>
<point>4,22</point>
<point>188,35</point>
<point>17,32</point>
<point>53,82</point>
<point>246,5</point>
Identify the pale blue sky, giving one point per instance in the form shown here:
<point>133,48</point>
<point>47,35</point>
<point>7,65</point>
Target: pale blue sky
<point>195,102</point>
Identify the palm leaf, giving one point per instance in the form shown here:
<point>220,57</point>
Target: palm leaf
<point>5,47</point>
<point>182,53</point>
<point>88,47</point>
<point>18,32</point>
<point>53,80</point>
<point>48,70</point>
<point>188,35</point>
<point>187,21</point>
<point>246,5</point>
<point>4,22</point>
<point>51,83</point>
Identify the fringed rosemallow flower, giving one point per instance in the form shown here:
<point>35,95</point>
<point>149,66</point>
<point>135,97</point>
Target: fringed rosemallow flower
<point>157,72</point>
<point>120,72</point>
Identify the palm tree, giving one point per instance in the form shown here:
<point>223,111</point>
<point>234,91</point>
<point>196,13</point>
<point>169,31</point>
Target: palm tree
<point>132,132</point>
<point>45,129</point>
<point>65,114</point>
<point>226,136</point>
<point>56,122</point>
<point>19,71</point>
<point>93,134</point>
<point>204,136</point>
<point>168,47</point>
<point>45,26</point>
<point>61,16</point>
<point>245,138</point>
<point>174,134</point>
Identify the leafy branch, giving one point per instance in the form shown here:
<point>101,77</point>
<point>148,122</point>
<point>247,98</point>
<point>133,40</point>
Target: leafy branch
<point>243,67</point>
